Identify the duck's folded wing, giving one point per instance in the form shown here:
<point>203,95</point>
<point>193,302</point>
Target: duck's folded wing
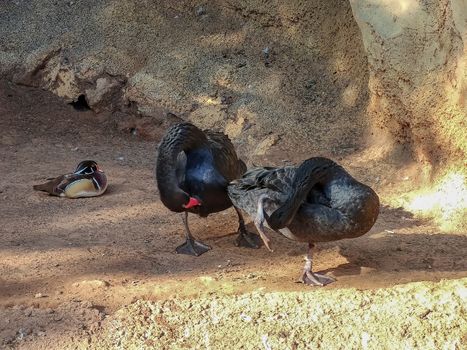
<point>69,183</point>
<point>54,186</point>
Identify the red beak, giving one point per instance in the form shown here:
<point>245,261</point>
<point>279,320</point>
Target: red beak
<point>193,202</point>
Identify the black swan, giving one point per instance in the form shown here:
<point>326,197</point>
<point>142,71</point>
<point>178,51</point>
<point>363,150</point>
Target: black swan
<point>317,201</point>
<point>88,180</point>
<point>193,170</point>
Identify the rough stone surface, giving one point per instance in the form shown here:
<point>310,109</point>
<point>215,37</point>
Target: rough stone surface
<point>105,95</point>
<point>301,64</point>
<point>331,72</point>
<point>417,57</point>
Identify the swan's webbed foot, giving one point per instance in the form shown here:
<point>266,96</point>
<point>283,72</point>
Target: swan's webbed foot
<point>246,239</point>
<point>192,247</point>
<point>315,279</point>
<point>311,278</point>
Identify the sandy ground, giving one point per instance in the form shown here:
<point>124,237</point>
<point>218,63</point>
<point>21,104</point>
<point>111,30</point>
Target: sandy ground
<point>66,266</point>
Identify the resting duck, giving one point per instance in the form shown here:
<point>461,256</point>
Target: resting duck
<point>88,180</point>
<point>193,170</point>
<point>317,201</point>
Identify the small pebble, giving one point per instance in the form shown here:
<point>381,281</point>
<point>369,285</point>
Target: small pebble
<point>264,339</point>
<point>28,312</point>
<point>245,318</point>
<point>200,10</point>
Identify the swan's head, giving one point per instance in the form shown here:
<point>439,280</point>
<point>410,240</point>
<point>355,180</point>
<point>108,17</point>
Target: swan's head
<point>280,218</point>
<point>180,201</point>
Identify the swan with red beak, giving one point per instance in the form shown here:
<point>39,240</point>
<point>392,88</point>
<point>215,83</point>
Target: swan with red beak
<point>193,170</point>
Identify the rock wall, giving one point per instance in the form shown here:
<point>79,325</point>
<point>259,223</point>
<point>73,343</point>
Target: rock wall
<point>271,74</point>
<point>417,58</point>
<point>323,77</point>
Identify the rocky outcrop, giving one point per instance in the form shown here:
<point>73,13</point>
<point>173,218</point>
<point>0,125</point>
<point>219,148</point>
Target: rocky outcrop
<point>244,67</point>
<point>417,58</point>
<point>321,75</point>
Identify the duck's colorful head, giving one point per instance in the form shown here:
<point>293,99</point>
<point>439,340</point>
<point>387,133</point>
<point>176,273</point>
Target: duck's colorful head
<point>87,167</point>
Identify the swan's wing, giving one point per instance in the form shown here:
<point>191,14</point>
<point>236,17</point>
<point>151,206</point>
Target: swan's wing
<point>274,183</point>
<point>181,168</point>
<point>274,179</point>
<point>225,157</point>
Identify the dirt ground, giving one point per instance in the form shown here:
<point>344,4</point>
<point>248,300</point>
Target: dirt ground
<point>67,266</point>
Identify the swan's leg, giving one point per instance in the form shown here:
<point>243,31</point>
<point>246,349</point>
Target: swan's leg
<point>259,222</point>
<point>191,246</point>
<point>245,238</point>
<point>308,276</point>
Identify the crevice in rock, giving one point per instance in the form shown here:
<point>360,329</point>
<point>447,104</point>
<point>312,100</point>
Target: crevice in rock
<point>80,104</point>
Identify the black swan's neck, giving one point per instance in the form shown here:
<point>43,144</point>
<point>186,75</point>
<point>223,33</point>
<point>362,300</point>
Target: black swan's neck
<point>179,138</point>
<point>308,174</point>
